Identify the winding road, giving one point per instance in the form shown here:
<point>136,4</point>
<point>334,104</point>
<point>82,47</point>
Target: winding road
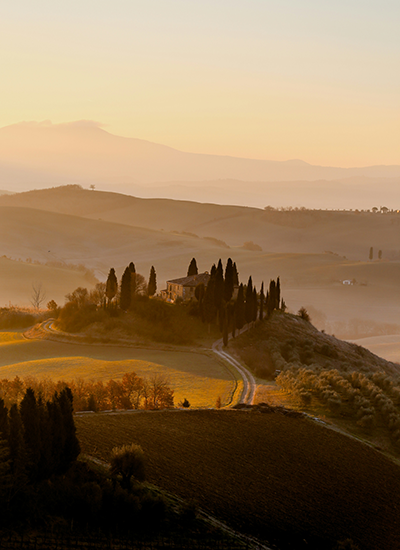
<point>249,383</point>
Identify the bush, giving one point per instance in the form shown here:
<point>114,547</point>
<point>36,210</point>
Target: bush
<point>303,313</point>
<point>128,461</point>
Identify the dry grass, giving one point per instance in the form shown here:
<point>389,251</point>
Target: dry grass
<point>285,479</point>
<point>10,337</point>
<point>199,377</point>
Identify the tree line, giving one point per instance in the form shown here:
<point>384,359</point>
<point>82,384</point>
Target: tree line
<point>231,304</point>
<point>37,440</point>
<point>130,392</point>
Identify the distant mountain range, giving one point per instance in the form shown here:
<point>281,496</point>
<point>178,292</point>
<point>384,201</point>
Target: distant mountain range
<point>36,155</point>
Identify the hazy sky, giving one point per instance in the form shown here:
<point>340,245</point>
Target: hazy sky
<point>311,79</point>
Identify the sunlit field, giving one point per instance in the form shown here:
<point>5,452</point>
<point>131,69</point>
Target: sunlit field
<point>198,377</point>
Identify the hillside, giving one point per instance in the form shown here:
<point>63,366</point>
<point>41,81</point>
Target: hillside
<point>284,479</point>
<point>301,367</point>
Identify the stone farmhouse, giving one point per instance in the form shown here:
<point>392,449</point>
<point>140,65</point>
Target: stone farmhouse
<point>184,287</point>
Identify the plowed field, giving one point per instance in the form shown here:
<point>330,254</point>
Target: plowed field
<point>287,480</point>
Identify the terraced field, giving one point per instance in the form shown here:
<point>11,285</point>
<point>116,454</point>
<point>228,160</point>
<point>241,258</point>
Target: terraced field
<point>287,480</point>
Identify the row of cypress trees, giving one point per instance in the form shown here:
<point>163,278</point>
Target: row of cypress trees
<point>131,284</point>
<point>230,304</point>
<point>37,439</point>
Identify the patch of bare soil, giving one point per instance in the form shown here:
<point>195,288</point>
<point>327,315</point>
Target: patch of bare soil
<point>280,477</point>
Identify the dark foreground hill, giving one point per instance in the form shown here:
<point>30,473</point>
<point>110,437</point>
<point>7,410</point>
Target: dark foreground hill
<point>283,478</point>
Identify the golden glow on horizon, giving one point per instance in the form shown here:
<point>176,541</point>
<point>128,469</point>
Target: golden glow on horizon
<point>317,84</point>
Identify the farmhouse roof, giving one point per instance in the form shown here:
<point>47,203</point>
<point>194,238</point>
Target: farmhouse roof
<point>192,280</point>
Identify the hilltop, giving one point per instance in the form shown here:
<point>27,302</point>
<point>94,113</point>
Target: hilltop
<point>313,251</point>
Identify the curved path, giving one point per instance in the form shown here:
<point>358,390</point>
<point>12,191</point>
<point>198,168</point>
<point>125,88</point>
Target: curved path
<point>249,383</point>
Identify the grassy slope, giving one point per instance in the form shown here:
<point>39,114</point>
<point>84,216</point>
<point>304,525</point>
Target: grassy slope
<point>17,279</point>
<point>295,245</point>
<point>285,342</point>
<point>194,375</point>
<point>283,479</point>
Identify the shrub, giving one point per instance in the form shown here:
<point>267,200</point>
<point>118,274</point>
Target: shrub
<point>128,461</point>
<point>303,313</point>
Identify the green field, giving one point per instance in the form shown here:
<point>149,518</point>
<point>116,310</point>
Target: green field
<point>287,480</point>
<point>197,376</point>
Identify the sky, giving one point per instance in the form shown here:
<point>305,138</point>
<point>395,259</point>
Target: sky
<point>291,79</point>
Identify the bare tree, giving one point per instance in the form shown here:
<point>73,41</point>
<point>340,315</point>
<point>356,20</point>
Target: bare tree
<point>38,295</point>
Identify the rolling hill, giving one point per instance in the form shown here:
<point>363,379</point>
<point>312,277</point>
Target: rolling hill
<point>42,154</point>
<point>311,251</point>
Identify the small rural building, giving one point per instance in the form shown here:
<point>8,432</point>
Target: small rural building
<point>184,287</point>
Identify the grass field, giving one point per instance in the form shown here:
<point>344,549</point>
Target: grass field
<point>287,480</point>
<point>199,377</point>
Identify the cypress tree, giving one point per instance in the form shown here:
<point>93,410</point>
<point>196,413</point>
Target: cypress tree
<point>249,301</point>
<point>4,426</point>
<point>199,293</point>
<point>125,293</point>
<point>44,466</point>
<point>235,275</point>
<point>219,285</point>
<point>192,269</point>
<point>111,285</point>
<point>228,283</point>
<point>278,293</point>
<point>5,475</point>
<point>262,298</point>
<point>56,440</point>
<point>209,298</point>
<point>152,286</point>
<point>16,443</point>
<point>71,448</point>
<point>255,304</point>
<point>271,297</point>
<point>132,269</point>
<point>240,314</point>
<point>29,412</point>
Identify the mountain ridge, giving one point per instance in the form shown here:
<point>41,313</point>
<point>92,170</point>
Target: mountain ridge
<point>88,154</point>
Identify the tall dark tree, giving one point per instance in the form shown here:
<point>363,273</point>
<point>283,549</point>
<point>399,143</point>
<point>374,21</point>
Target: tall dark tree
<point>132,269</point>
<point>125,291</point>
<point>29,412</point>
<point>4,426</point>
<point>71,448</point>
<point>371,253</point>
<point>152,286</point>
<point>229,281</point>
<point>271,304</point>
<point>235,275</point>
<point>240,313</point>
<point>262,299</point>
<point>219,285</point>
<point>199,293</point>
<point>277,293</point>
<point>255,305</point>
<point>16,442</point>
<point>249,308</point>
<point>209,307</point>
<point>5,473</point>
<point>192,269</point>
<point>111,285</point>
